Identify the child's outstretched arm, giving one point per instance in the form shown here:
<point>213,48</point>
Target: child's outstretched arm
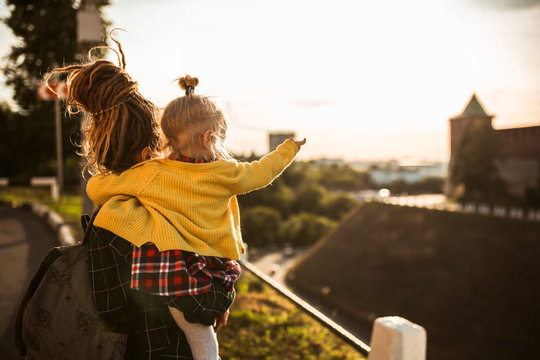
<point>242,178</point>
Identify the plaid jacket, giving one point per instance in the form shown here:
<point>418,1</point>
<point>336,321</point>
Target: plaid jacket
<point>145,318</point>
<point>179,272</point>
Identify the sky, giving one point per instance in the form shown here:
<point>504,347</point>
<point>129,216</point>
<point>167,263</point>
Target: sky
<point>361,80</point>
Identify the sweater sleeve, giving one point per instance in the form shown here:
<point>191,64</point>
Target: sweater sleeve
<point>101,188</point>
<point>244,177</point>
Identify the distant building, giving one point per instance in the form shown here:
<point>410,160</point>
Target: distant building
<point>276,138</point>
<point>328,162</point>
<point>518,158</point>
<point>408,170</point>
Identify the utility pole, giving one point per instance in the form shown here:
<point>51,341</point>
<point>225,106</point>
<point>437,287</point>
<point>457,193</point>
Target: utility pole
<point>59,91</point>
<point>88,35</point>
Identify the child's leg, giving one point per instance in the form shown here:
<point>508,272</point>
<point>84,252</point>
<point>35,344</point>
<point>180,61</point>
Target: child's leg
<point>201,338</point>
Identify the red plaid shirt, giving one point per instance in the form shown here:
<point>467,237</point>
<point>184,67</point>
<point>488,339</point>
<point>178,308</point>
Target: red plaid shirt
<point>178,272</point>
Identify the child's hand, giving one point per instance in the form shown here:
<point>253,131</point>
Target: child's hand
<point>299,143</point>
<point>221,321</point>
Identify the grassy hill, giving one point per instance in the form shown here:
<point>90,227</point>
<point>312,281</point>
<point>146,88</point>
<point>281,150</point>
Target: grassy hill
<point>472,281</point>
<point>264,325</point>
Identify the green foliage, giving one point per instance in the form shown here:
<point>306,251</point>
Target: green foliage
<point>261,224</point>
<point>299,208</point>
<point>338,205</point>
<point>44,45</point>
<point>299,173</point>
<point>344,177</point>
<point>306,228</point>
<point>429,185</point>
<point>46,31</point>
<point>28,144</point>
<point>278,196</point>
<point>263,325</point>
<point>310,197</point>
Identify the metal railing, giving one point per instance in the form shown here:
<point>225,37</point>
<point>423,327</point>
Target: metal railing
<point>50,181</point>
<point>511,212</point>
<point>324,320</point>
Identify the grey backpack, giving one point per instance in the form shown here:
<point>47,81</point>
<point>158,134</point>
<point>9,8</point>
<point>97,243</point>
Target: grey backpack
<point>57,317</point>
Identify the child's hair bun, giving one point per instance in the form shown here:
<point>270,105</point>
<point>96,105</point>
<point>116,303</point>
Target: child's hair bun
<point>188,83</point>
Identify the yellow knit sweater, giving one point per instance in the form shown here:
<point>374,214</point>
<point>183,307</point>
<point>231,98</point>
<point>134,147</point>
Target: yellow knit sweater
<point>184,206</point>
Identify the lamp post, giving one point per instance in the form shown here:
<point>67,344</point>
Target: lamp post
<point>88,35</point>
<point>56,91</point>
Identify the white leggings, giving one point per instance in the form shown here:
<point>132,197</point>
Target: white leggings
<point>202,339</point>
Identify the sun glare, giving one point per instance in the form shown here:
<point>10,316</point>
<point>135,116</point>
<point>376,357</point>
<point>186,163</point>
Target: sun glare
<point>359,79</point>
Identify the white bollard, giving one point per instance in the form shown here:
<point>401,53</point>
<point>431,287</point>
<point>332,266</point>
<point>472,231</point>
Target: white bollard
<point>483,209</point>
<point>47,181</point>
<point>39,210</point>
<point>516,213</point>
<point>470,208</point>
<point>499,211</point>
<point>54,220</point>
<point>396,338</point>
<point>65,236</point>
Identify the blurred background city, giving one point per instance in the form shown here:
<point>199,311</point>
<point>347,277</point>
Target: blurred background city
<point>417,193</point>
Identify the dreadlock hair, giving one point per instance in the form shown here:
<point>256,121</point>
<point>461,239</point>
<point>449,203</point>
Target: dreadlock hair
<point>193,114</point>
<point>121,121</point>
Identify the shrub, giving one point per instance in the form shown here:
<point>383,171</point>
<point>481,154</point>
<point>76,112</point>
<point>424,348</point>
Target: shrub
<point>310,197</point>
<point>338,206</point>
<point>306,228</point>
<point>260,226</point>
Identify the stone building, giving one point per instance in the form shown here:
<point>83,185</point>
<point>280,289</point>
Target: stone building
<point>518,154</point>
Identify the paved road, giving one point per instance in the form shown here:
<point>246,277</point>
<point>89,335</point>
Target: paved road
<point>277,263</point>
<point>24,241</point>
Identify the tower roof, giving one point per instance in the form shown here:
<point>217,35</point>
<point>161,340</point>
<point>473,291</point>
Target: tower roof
<point>474,108</point>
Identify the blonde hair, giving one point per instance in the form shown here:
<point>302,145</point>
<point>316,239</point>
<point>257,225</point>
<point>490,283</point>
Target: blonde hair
<point>194,114</point>
<point>121,123</point>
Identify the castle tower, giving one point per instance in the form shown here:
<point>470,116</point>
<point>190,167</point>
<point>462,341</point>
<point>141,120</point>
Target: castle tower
<point>473,114</point>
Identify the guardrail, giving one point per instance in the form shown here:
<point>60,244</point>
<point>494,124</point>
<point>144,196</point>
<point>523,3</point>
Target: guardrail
<point>358,344</point>
<point>393,337</point>
<point>510,212</point>
<point>35,181</point>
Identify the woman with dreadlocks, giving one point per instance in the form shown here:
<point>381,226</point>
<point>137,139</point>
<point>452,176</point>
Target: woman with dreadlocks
<point>122,131</point>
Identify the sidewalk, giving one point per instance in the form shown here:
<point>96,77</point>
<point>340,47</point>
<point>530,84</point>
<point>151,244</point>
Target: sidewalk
<point>24,241</point>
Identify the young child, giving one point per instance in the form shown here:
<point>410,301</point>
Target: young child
<point>181,212</point>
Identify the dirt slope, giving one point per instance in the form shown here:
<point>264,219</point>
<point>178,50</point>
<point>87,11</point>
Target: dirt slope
<point>472,281</point>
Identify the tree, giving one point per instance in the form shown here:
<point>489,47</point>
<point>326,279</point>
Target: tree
<point>278,196</point>
<point>260,226</point>
<point>305,229</point>
<point>344,177</point>
<point>338,205</point>
<point>9,123</point>
<point>310,197</point>
<point>47,38</point>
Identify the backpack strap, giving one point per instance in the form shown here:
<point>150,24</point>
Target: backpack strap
<point>87,221</point>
